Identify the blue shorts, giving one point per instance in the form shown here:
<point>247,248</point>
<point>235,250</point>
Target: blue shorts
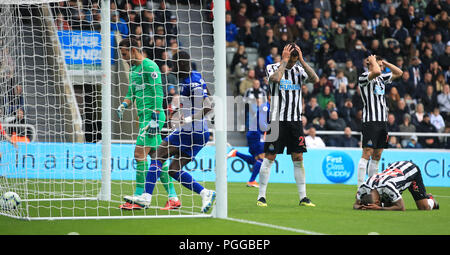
<point>255,144</point>
<point>190,143</point>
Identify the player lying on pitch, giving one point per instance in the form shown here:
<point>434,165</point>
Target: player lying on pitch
<point>190,136</point>
<point>383,191</point>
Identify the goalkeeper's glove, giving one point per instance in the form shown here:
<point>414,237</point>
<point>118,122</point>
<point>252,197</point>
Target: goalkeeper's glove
<point>152,127</point>
<point>122,107</point>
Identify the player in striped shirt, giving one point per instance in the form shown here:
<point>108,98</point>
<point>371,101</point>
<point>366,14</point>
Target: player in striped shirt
<point>286,130</point>
<point>383,191</point>
<point>374,128</point>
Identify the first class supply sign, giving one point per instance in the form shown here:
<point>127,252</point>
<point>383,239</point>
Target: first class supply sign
<point>83,47</point>
<point>322,166</point>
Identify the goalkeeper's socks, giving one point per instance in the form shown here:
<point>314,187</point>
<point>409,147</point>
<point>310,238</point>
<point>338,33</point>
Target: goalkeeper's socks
<point>247,158</point>
<point>166,180</point>
<point>187,181</point>
<point>141,170</point>
<point>152,175</point>
<point>256,168</point>
<point>139,191</point>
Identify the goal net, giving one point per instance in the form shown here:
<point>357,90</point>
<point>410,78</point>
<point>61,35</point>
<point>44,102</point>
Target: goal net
<point>62,78</point>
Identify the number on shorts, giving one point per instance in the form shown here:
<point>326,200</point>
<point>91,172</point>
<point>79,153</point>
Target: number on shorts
<point>301,141</point>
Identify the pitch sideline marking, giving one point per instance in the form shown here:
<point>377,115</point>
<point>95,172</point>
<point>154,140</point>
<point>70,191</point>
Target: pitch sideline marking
<point>275,226</point>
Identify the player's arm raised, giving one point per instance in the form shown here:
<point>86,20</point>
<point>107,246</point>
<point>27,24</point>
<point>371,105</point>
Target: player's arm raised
<point>374,70</point>
<point>312,76</point>
<point>285,56</point>
<point>396,72</point>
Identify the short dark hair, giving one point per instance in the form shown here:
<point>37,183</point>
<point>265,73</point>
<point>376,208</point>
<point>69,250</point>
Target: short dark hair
<point>182,63</point>
<point>295,52</point>
<point>366,199</point>
<point>129,43</point>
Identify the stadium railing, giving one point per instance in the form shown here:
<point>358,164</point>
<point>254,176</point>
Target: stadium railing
<point>329,132</point>
<point>401,134</point>
<point>27,127</point>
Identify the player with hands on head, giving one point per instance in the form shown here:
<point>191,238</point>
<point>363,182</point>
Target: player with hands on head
<point>372,84</point>
<point>145,90</point>
<point>285,128</point>
<point>383,191</point>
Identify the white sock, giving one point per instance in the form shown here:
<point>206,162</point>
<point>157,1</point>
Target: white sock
<point>203,192</point>
<point>373,167</point>
<point>264,175</point>
<point>430,203</point>
<point>362,167</point>
<point>299,174</point>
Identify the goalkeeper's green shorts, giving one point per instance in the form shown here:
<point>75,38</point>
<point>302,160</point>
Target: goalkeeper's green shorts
<point>145,139</point>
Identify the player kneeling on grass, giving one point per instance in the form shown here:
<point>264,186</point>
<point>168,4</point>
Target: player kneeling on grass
<point>383,191</point>
<point>190,136</point>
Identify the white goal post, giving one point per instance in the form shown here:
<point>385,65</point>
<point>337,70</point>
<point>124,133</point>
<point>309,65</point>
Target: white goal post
<point>67,154</point>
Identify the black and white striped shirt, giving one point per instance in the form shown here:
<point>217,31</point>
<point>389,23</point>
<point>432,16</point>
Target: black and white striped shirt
<point>373,96</point>
<point>397,177</point>
<point>286,96</point>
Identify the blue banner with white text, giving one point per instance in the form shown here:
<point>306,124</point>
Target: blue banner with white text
<point>323,166</point>
<point>83,47</point>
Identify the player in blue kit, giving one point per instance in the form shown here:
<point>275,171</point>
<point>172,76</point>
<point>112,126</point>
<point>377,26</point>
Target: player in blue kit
<point>255,141</point>
<point>189,137</point>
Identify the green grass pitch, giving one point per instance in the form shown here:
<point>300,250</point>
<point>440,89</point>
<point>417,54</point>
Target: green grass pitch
<point>333,215</point>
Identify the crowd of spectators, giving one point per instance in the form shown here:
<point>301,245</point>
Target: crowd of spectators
<point>150,22</point>
<point>334,35</point>
<point>12,112</point>
<point>12,107</point>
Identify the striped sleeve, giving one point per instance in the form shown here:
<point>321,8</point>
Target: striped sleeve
<point>364,189</point>
<point>270,70</point>
<point>303,75</point>
<point>387,78</point>
<point>363,79</point>
<point>392,192</point>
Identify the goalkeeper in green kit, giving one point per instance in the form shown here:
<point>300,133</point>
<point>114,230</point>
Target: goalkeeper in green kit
<point>146,92</point>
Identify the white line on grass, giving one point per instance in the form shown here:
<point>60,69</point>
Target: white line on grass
<point>441,196</point>
<point>275,226</point>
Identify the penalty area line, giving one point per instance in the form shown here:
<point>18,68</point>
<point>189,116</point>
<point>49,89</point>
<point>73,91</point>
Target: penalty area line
<point>274,226</point>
